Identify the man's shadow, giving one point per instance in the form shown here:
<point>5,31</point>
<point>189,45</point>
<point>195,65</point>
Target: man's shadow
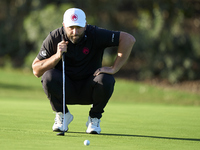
<point>141,136</point>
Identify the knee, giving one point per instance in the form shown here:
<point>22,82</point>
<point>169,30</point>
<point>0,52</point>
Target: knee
<point>50,77</point>
<point>106,80</point>
<point>47,76</point>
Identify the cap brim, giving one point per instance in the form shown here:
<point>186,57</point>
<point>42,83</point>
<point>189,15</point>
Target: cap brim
<point>75,24</point>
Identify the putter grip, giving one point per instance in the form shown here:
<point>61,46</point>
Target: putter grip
<point>63,57</point>
<point>63,54</point>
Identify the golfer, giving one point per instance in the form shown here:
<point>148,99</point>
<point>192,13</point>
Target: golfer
<point>87,82</point>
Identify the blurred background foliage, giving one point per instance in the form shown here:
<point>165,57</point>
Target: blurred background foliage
<point>167,33</point>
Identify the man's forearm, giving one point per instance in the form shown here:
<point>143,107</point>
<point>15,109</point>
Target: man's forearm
<point>125,46</point>
<point>41,66</point>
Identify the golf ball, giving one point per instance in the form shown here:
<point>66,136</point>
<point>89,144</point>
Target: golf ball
<point>86,142</point>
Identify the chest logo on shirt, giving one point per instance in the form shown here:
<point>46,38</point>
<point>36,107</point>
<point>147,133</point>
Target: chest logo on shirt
<point>86,50</point>
<point>74,17</point>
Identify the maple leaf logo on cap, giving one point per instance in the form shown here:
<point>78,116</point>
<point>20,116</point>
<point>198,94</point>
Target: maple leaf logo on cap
<point>74,17</point>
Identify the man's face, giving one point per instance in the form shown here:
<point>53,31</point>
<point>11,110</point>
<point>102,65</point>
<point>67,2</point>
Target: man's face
<point>74,33</point>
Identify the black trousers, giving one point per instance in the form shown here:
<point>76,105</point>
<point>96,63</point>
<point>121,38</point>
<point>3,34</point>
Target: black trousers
<point>95,90</point>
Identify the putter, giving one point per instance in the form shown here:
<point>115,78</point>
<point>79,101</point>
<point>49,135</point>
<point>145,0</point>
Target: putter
<point>63,68</point>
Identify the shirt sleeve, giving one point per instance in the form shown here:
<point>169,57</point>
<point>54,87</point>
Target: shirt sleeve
<point>47,48</point>
<point>107,38</point>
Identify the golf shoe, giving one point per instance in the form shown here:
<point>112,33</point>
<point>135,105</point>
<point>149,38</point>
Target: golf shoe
<point>93,125</point>
<point>58,125</point>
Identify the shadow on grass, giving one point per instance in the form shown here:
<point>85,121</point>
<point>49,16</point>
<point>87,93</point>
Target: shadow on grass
<point>143,136</point>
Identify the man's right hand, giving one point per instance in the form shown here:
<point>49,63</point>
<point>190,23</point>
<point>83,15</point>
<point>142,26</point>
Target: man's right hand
<point>40,66</point>
<point>61,48</point>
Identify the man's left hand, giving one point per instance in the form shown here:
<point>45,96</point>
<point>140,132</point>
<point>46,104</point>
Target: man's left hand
<point>108,70</point>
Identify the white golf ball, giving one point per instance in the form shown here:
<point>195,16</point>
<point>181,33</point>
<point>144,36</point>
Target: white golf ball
<point>86,142</point>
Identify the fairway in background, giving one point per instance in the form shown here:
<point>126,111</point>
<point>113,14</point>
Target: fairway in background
<point>25,85</point>
<point>130,91</point>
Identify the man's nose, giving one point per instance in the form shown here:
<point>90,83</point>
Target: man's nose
<point>75,31</point>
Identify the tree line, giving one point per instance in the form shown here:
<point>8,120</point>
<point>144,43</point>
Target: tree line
<point>167,32</point>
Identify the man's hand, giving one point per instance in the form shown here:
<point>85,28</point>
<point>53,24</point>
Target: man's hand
<point>107,70</point>
<point>40,66</point>
<point>126,42</point>
<point>61,48</point>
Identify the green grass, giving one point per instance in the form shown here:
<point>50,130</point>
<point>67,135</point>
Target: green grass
<point>138,117</point>
<point>136,92</point>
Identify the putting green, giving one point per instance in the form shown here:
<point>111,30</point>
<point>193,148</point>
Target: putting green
<point>26,124</point>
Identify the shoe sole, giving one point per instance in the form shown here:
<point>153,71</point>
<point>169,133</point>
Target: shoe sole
<point>93,132</point>
<point>58,130</point>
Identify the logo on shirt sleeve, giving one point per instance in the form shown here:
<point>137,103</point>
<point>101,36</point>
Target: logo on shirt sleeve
<point>43,53</point>
<point>113,37</point>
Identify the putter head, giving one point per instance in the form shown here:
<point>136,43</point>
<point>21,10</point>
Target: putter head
<point>61,133</point>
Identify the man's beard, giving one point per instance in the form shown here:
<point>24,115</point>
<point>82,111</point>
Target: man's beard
<point>76,38</point>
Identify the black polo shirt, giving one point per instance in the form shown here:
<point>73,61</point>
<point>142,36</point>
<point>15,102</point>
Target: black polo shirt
<point>84,58</point>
